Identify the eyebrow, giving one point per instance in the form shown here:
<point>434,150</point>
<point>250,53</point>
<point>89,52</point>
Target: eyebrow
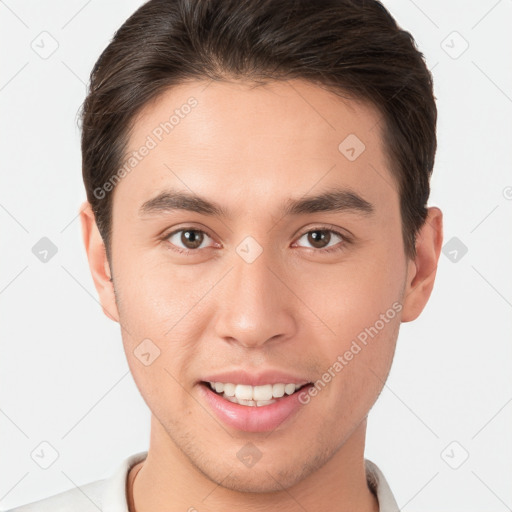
<point>333,200</point>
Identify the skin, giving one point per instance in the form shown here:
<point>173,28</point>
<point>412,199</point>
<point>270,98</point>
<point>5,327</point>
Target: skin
<point>293,308</point>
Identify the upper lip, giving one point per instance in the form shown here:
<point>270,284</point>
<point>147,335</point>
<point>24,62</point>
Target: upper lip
<point>253,378</point>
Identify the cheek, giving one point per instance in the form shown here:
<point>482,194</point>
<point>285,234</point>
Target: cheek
<point>159,310</point>
<point>356,307</point>
<point>155,293</point>
<point>158,355</point>
<point>347,297</point>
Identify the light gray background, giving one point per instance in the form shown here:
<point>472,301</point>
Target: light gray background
<point>64,377</point>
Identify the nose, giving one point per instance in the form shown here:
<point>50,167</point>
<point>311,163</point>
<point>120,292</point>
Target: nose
<point>255,304</point>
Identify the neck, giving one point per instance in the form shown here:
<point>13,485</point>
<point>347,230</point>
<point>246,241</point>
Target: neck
<point>167,481</point>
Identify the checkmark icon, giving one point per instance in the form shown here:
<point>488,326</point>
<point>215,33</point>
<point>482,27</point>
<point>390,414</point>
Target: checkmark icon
<point>351,147</point>
<point>249,249</point>
<point>44,455</point>
<point>454,455</point>
<point>45,45</point>
<point>146,351</point>
<point>44,250</point>
<point>454,45</point>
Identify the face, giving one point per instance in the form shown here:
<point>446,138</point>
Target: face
<point>268,287</point>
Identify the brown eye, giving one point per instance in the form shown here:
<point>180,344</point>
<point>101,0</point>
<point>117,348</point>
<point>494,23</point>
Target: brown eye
<point>191,239</point>
<point>187,239</point>
<point>318,238</point>
<point>321,238</point>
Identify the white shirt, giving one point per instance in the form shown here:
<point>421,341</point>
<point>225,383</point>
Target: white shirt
<point>109,494</point>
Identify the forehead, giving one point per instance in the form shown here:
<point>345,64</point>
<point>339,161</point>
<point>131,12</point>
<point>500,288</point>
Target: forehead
<point>252,145</point>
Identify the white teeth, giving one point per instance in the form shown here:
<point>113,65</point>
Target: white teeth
<point>289,389</point>
<point>229,389</point>
<point>259,403</point>
<point>262,392</point>
<point>243,392</point>
<point>253,395</point>
<point>278,390</point>
<point>250,403</point>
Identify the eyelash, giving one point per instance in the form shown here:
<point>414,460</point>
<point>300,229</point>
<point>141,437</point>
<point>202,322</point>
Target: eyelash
<point>340,246</point>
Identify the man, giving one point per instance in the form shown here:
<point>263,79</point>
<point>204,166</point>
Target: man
<point>257,175</point>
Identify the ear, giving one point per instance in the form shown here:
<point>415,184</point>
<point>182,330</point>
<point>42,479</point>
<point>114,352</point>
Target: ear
<point>98,262</point>
<point>421,271</point>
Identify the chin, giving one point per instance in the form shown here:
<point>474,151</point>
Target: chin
<point>258,481</point>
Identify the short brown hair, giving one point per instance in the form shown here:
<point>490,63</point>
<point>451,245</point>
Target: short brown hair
<point>347,46</point>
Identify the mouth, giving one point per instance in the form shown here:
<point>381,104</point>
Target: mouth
<point>250,408</point>
<point>254,396</point>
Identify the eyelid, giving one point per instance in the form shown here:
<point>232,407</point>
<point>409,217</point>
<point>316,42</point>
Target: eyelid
<point>166,237</point>
<point>328,227</point>
<point>346,239</point>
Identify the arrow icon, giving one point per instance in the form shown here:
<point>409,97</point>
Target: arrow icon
<point>44,455</point>
<point>146,352</point>
<point>351,147</point>
<point>44,250</point>
<point>249,249</point>
<point>455,249</point>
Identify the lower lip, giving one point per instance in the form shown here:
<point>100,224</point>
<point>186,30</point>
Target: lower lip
<point>252,419</point>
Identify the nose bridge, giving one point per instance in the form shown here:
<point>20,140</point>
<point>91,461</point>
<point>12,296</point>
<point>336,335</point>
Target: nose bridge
<point>255,305</point>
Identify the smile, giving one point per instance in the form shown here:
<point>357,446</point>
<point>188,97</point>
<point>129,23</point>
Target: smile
<point>253,396</point>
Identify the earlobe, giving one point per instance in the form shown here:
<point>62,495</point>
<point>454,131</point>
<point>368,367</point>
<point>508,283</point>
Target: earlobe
<point>422,271</point>
<point>98,262</point>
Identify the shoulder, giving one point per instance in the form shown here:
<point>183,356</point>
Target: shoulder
<point>86,498</point>
<point>108,494</point>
